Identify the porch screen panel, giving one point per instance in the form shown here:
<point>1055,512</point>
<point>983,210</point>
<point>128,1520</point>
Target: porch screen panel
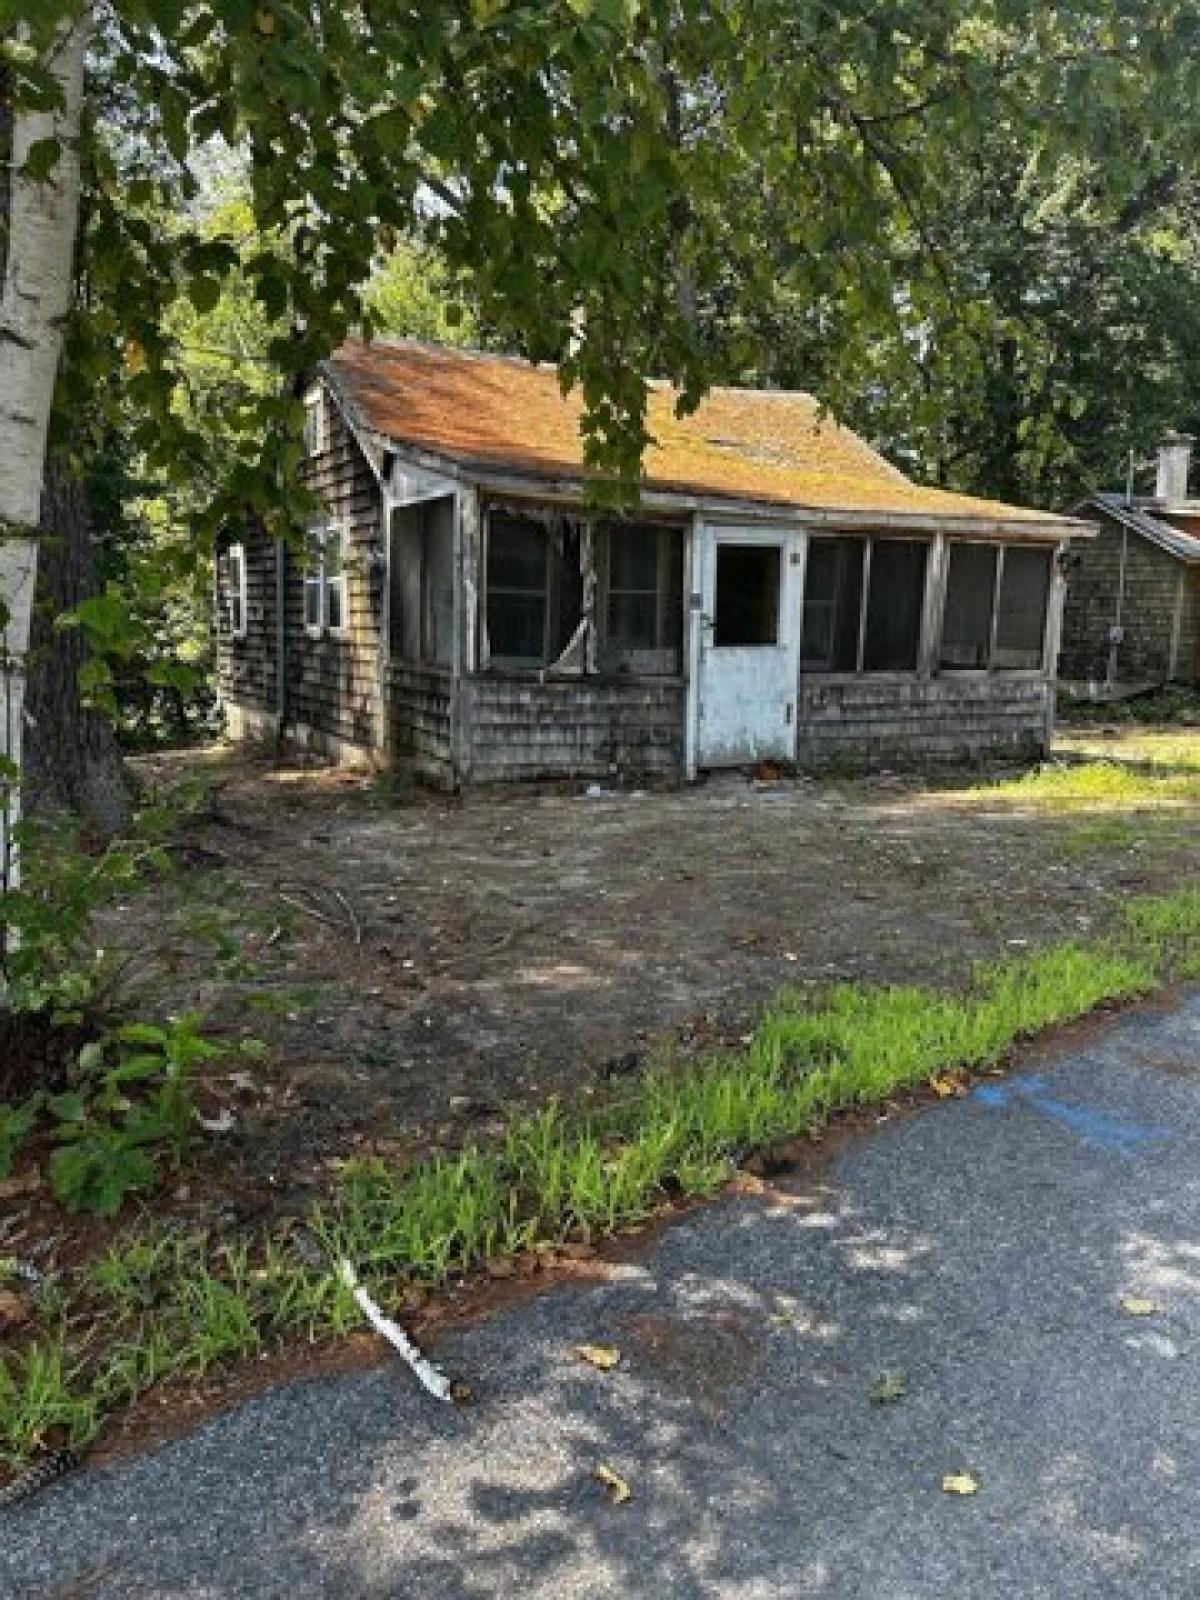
<point>438,584</point>
<point>967,618</point>
<point>407,563</point>
<point>894,605</point>
<point>643,615</point>
<point>633,587</point>
<point>1021,609</point>
<point>832,605</point>
<point>516,590</point>
<point>564,552</point>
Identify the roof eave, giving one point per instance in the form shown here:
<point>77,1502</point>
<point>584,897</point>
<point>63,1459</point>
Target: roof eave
<point>510,480</point>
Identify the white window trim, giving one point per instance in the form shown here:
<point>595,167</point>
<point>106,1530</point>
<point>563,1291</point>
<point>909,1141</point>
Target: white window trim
<point>237,594</point>
<point>316,573</point>
<point>316,429</point>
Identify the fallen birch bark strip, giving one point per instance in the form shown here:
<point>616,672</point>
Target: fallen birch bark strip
<point>428,1373</point>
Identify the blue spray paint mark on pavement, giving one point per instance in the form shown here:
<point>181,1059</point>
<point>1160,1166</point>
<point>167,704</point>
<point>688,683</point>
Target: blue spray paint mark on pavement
<point>1099,1129</point>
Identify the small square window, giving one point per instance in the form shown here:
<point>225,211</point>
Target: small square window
<point>324,580</point>
<point>314,424</point>
<point>748,578</point>
<point>236,590</point>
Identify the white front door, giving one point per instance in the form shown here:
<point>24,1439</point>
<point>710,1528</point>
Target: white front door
<point>748,651</point>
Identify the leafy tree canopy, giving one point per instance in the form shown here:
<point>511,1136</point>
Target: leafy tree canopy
<point>594,163</point>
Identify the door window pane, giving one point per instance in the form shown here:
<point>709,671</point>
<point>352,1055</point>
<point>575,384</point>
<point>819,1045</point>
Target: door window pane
<point>748,579</point>
<point>894,605</point>
<point>832,602</point>
<point>967,618</point>
<point>1021,611</point>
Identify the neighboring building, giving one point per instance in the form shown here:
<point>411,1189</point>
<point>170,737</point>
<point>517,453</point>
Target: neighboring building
<point>781,593</point>
<point>1133,602</point>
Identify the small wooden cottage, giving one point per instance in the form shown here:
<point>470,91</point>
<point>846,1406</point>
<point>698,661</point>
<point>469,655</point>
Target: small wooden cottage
<point>780,593</point>
<point>1133,605</point>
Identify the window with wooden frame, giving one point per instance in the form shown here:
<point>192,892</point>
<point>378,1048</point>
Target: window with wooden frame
<point>534,600</point>
<point>864,599</point>
<point>640,567</point>
<point>315,436</point>
<point>325,580</point>
<point>994,615</point>
<point>235,590</point>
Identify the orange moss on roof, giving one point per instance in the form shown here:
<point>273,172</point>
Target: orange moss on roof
<point>763,445</point>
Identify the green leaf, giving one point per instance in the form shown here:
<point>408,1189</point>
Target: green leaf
<point>43,157</point>
<point>204,293</point>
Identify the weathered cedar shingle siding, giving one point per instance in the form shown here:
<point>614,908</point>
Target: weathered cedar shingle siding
<point>519,728</point>
<point>1148,612</point>
<point>246,665</point>
<point>333,685</point>
<point>333,680</point>
<point>937,719</point>
<point>421,698</point>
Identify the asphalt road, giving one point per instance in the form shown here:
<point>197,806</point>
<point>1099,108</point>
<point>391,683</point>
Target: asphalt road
<point>983,1247</point>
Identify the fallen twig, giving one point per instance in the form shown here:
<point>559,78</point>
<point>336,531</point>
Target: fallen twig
<point>309,911</point>
<point>428,1374</point>
<point>355,924</point>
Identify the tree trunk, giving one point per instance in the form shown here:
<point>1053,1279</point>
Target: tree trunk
<point>72,762</point>
<point>35,298</point>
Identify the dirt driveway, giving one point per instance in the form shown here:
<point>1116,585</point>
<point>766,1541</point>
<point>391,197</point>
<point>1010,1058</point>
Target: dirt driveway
<point>418,966</point>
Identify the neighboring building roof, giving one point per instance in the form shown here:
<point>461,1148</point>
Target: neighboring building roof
<point>499,414</point>
<point>1179,536</point>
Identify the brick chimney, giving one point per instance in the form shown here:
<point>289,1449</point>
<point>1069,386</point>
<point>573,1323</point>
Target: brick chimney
<point>1174,465</point>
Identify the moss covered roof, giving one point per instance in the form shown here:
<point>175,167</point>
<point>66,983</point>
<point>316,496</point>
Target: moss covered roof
<point>769,446</point>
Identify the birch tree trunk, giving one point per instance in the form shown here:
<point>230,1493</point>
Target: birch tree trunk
<point>35,298</point>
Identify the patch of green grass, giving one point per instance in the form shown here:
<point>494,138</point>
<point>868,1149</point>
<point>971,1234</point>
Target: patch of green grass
<point>45,1388</point>
<point>1083,785</point>
<point>157,1307</point>
<point>1102,836</point>
<point>1167,928</point>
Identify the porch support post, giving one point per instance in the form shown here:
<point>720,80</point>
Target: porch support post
<point>936,573</point>
<point>697,542</point>
<point>1053,639</point>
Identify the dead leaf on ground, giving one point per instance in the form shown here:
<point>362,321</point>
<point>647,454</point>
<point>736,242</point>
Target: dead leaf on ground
<point>15,1310</point>
<point>960,1483</point>
<point>604,1356</point>
<point>891,1385</point>
<point>1135,1305</point>
<point>947,1084</point>
<point>17,1188</point>
<point>618,1490</point>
